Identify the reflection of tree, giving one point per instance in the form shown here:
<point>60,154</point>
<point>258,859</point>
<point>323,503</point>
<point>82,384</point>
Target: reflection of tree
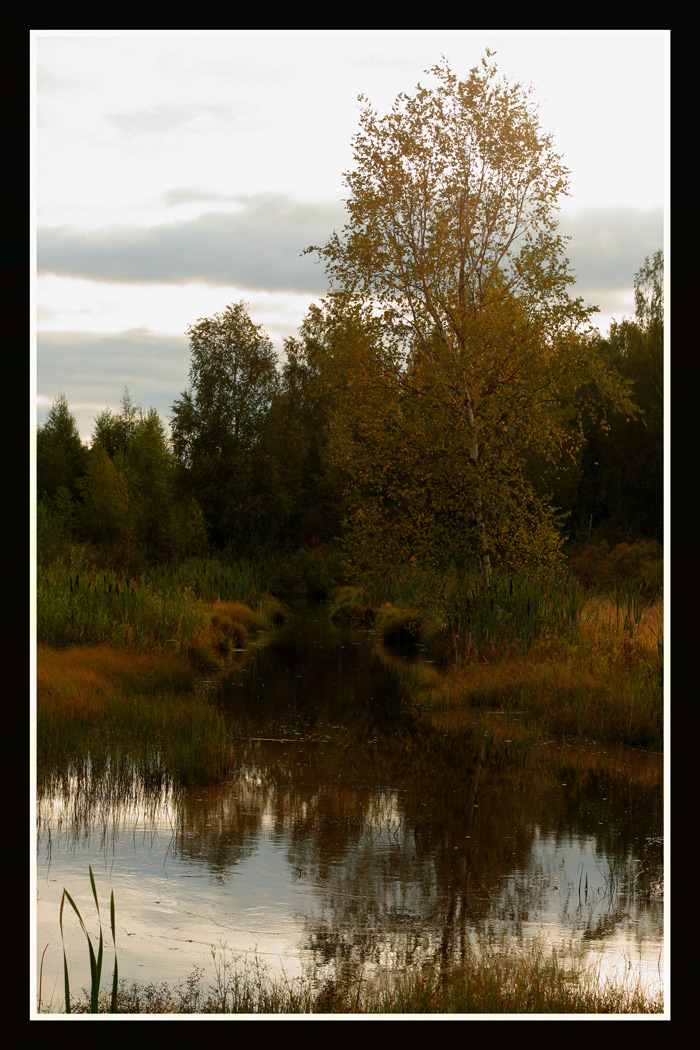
<point>414,842</point>
<point>219,826</point>
<point>420,880</point>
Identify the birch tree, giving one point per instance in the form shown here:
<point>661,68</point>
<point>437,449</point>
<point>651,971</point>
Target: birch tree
<point>451,256</point>
<point>217,422</point>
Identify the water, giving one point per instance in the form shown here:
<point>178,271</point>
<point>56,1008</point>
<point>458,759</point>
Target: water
<point>354,837</point>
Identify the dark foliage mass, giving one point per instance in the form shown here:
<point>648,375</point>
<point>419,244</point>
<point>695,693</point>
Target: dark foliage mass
<point>252,466</point>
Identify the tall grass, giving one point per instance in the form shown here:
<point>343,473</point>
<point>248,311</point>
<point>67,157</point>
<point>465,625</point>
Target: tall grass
<point>572,661</point>
<point>116,696</point>
<point>111,719</point>
<point>512,981</point>
<point>284,574</point>
<point>455,612</point>
<point>514,613</point>
<point>189,609</point>
<point>606,684</point>
<point>210,580</point>
<point>99,607</point>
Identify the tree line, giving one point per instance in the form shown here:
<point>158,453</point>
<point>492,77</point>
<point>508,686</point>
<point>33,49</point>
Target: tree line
<point>448,403</point>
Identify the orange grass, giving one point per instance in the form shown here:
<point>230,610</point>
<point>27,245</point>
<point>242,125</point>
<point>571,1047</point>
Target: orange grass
<point>85,677</point>
<point>126,714</point>
<point>606,685</point>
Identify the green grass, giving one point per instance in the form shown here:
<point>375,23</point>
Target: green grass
<point>116,665</point>
<point>456,615</point>
<point>101,608</point>
<point>163,610</point>
<point>571,662</point>
<point>349,608</point>
<point>95,960</point>
<point>605,685</point>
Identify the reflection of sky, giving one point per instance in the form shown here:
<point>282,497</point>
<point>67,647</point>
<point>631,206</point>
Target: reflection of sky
<point>171,907</point>
<point>579,899</point>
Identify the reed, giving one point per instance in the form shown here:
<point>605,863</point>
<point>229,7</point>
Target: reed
<point>95,961</point>
<point>513,614</point>
<point>211,580</point>
<point>99,607</point>
<point>165,610</point>
<point>568,661</point>
<point>405,630</point>
<point>350,608</point>
<point>606,684</point>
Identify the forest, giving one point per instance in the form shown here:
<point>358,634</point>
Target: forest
<point>334,449</point>
<point>450,402</point>
<point>446,426</point>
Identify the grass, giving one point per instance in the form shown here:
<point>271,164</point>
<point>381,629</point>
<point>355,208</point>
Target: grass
<point>108,716</point>
<point>188,609</point>
<point>606,685</point>
<point>126,709</point>
<point>569,662</point>
<point>116,663</point>
<point>527,980</point>
<point>349,608</point>
<point>117,707</point>
<point>513,615</point>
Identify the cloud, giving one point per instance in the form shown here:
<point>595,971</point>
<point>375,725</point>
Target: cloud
<point>160,120</point>
<point>256,247</point>
<point>608,246</point>
<point>191,195</point>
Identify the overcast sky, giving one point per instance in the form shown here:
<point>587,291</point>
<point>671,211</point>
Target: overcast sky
<point>177,172</point>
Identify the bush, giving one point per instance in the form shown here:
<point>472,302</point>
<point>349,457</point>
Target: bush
<point>350,608</point>
<point>638,565</point>
<point>402,630</point>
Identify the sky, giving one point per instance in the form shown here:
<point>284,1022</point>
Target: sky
<point>177,172</point>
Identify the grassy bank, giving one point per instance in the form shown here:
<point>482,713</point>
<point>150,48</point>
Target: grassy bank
<point>196,610</point>
<point>117,659</point>
<point>118,721</point>
<point>563,659</point>
<point>605,684</point>
<point>527,981</point>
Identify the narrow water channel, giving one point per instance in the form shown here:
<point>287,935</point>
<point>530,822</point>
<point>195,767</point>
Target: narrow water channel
<point>352,837</point>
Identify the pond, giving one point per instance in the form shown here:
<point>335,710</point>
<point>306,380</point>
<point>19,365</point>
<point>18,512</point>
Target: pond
<point>355,837</point>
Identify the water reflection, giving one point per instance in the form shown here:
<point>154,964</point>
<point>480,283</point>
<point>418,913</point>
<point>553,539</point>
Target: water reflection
<point>355,837</point>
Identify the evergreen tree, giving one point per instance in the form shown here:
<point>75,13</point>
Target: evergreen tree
<point>621,484</point>
<point>61,455</point>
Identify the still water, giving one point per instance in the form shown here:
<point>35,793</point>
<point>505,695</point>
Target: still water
<point>353,836</point>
